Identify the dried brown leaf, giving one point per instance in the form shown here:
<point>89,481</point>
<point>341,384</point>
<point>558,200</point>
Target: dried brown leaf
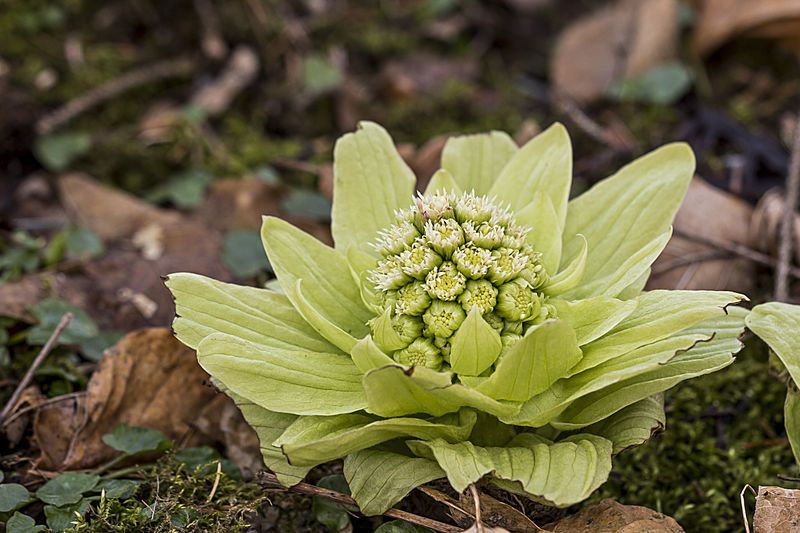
<point>609,516</point>
<point>625,38</point>
<point>777,510</point>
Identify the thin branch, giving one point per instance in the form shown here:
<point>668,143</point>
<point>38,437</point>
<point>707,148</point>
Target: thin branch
<point>787,223</point>
<point>269,480</point>
<point>49,401</point>
<point>737,249</point>
<point>147,74</point>
<point>476,498</point>
<point>43,353</point>
<point>744,507</point>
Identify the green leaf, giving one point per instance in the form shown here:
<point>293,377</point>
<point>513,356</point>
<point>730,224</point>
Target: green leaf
<point>394,390</point>
<point>543,164</point>
<point>136,439</point>
<point>13,496</point>
<point>561,473</point>
<point>337,336</point>
<point>296,382</point>
<point>118,489</point>
<point>384,334</point>
<point>570,275</point>
<point>184,190</point>
<point>544,355</point>
<point>370,182</point>
<point>545,234</point>
<point>320,75</point>
<point>442,181</point>
<point>664,85</point>
<point>305,203</point>
<point>658,315</point>
<point>93,348</point>
<point>475,161</point>
<point>312,440</point>
<point>633,425</point>
<point>380,479</point>
<point>475,345</point>
<point>328,284</point>
<point>626,212</point>
<point>791,416</point>
<point>367,356</point>
<point>719,334</point>
<point>269,425</point>
<point>58,150</point>
<point>594,317</point>
<point>49,312</point>
<point>777,324</point>
<point>333,516</point>
<point>243,253</point>
<point>399,526</point>
<point>67,488</point>
<point>60,519</point>
<point>83,243</point>
<point>703,358</point>
<point>205,306</point>
<point>628,273</point>
<point>20,523</point>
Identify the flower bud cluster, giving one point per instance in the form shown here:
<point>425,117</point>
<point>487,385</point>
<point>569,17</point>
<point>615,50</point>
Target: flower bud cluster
<point>445,255</point>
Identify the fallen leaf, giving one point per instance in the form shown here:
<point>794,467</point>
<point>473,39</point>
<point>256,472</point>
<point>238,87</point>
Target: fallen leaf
<point>721,20</point>
<point>765,227</point>
<point>710,213</point>
<point>621,40</point>
<point>609,516</point>
<point>110,213</point>
<point>424,74</point>
<point>777,510</point>
<point>148,379</point>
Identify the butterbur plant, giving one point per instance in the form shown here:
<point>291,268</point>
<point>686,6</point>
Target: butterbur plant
<point>486,328</point>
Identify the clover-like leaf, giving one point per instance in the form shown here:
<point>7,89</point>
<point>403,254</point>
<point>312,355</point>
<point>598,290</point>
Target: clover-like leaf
<point>136,439</point>
<point>13,496</point>
<point>67,488</point>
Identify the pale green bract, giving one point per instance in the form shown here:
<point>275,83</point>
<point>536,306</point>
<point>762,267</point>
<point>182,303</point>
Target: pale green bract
<point>485,328</point>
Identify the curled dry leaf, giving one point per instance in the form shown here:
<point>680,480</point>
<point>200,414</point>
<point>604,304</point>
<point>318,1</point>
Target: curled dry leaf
<point>625,38</point>
<point>718,216</point>
<point>148,379</point>
<point>765,228</point>
<point>609,516</point>
<point>721,20</point>
<point>777,510</point>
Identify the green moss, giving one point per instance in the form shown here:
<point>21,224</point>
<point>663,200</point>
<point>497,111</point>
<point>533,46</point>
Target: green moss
<point>171,498</point>
<point>724,431</point>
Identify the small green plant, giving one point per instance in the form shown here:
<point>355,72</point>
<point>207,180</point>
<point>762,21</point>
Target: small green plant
<point>778,325</point>
<point>487,327</point>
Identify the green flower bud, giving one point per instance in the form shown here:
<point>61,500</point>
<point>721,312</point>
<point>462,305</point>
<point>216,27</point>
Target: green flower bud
<point>443,318</point>
<point>419,260</point>
<point>421,352</point>
<point>396,239</point>
<point>534,274</point>
<point>480,294</point>
<point>495,321</point>
<point>473,208</point>
<point>407,327</point>
<point>512,328</point>
<point>517,302</point>
<point>444,236</point>
<point>472,261</point>
<point>432,208</point>
<point>506,265</point>
<point>412,299</point>
<point>514,237</point>
<point>509,339</point>
<point>389,275</point>
<point>485,234</point>
<point>445,282</point>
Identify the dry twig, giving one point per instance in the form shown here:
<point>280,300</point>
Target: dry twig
<point>270,481</point>
<point>787,223</point>
<point>142,76</point>
<point>216,482</point>
<point>737,249</point>
<point>744,507</point>
<point>43,353</point>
